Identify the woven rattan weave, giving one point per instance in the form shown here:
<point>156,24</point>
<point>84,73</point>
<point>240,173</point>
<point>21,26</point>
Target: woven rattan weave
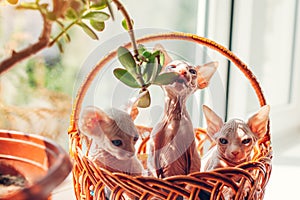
<point>90,181</point>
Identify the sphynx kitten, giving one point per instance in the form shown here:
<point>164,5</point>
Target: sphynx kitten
<point>234,139</point>
<point>114,137</point>
<point>172,149</point>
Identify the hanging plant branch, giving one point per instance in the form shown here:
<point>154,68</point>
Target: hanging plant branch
<point>141,69</point>
<point>129,25</point>
<point>85,14</point>
<point>142,73</point>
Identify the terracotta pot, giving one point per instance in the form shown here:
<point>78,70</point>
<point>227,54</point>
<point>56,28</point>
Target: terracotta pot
<point>40,161</point>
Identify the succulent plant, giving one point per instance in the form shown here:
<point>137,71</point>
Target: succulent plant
<point>142,70</point>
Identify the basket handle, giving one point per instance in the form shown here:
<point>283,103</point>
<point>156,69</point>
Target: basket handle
<point>167,36</point>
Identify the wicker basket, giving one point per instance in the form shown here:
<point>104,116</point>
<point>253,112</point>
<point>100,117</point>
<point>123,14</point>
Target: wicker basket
<point>90,180</point>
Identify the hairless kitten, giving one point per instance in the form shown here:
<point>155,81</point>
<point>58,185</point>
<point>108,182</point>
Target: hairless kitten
<point>172,141</point>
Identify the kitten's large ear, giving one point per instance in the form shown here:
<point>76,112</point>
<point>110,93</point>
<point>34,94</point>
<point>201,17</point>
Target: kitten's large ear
<point>259,121</point>
<point>91,120</point>
<point>205,72</point>
<point>214,122</point>
<point>168,58</point>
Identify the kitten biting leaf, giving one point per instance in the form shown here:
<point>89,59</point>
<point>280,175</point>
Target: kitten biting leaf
<point>172,149</point>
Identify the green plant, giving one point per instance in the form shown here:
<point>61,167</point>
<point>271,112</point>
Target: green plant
<point>87,14</point>
<point>142,70</point>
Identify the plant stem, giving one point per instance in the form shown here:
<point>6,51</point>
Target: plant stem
<point>63,32</point>
<point>132,37</point>
<point>45,40</point>
<point>129,25</point>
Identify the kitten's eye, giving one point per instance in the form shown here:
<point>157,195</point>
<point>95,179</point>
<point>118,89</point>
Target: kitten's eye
<point>192,71</point>
<point>223,141</point>
<point>135,138</point>
<point>171,66</point>
<point>246,141</point>
<point>117,142</point>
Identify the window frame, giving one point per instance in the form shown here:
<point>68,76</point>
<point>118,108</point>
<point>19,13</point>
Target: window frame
<point>221,21</point>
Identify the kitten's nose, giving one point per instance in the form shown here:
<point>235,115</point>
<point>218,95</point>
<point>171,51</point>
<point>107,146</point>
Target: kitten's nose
<point>129,154</point>
<point>235,153</point>
<point>182,72</point>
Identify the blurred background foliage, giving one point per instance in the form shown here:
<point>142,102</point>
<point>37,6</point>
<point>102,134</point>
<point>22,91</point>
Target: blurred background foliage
<point>46,80</point>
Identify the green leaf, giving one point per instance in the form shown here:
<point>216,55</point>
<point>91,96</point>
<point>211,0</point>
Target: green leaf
<point>71,14</point>
<point>108,3</point>
<point>156,53</point>
<point>145,100</point>
<point>125,25</point>
<point>124,76</point>
<point>96,15</point>
<point>157,70</point>
<point>99,4</point>
<point>60,47</point>
<point>88,30</point>
<point>154,69</point>
<point>160,56</point>
<point>28,5</point>
<point>149,69</point>
<point>97,25</point>
<point>147,54</point>
<point>166,78</point>
<point>127,60</point>
<point>141,48</point>
<point>67,37</point>
<point>161,59</point>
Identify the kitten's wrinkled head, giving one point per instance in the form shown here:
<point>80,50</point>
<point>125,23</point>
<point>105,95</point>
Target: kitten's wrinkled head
<point>114,133</point>
<point>190,77</point>
<point>235,139</point>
